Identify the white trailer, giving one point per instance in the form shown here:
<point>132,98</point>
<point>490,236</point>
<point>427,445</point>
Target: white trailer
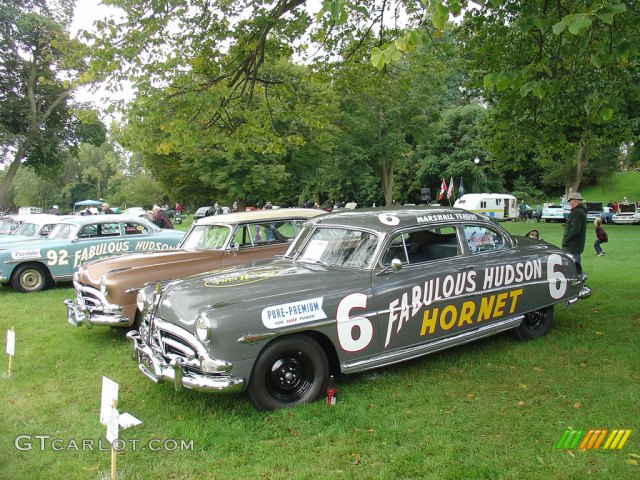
<point>498,206</point>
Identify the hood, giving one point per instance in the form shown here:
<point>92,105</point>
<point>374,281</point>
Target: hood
<point>10,239</point>
<point>143,263</point>
<point>240,294</point>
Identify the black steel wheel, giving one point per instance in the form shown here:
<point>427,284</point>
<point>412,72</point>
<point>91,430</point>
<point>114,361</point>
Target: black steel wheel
<point>535,324</point>
<point>288,372</point>
<point>30,277</point>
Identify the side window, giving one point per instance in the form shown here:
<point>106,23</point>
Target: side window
<point>426,245</point>
<point>483,204</point>
<point>109,229</point>
<point>88,231</point>
<point>45,230</point>
<point>131,228</point>
<point>244,236</point>
<point>482,239</point>
<point>397,249</point>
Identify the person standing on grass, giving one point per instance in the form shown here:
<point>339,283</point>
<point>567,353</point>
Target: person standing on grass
<point>575,228</point>
<point>601,237</point>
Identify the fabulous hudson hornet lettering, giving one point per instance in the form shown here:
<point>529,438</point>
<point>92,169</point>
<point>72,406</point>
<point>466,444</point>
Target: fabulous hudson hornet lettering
<point>356,290</point>
<point>106,289</point>
<point>35,265</point>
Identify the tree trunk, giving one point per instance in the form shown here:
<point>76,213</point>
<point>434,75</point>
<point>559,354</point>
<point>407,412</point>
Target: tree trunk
<point>386,175</point>
<point>582,159</point>
<point>7,180</point>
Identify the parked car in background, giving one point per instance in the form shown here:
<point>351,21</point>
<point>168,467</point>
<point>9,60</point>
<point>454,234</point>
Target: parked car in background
<point>10,223</point>
<point>598,210</point>
<point>202,212</point>
<point>356,290</point>
<point>627,214</point>
<point>34,227</point>
<point>106,289</point>
<point>33,266</point>
<point>555,212</point>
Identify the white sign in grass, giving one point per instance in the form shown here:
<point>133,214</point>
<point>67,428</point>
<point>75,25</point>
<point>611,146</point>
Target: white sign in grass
<point>113,422</point>
<point>11,348</point>
<point>109,395</point>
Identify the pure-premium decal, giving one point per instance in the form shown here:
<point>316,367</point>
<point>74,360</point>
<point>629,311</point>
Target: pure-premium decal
<point>293,313</point>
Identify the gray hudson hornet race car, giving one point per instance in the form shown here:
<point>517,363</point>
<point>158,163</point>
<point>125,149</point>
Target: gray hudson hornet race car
<point>356,290</point>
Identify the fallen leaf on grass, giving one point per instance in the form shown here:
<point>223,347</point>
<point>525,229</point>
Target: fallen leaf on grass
<point>537,369</point>
<point>356,458</point>
<point>632,461</point>
<point>577,405</point>
<point>470,395</point>
<point>522,386</point>
<point>583,365</point>
<point>599,333</point>
<point>521,403</point>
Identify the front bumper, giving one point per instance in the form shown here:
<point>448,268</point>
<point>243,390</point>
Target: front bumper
<point>91,308</point>
<point>195,371</point>
<point>79,314</point>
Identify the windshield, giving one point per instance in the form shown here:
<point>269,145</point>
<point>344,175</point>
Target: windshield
<point>336,246</point>
<point>5,224</point>
<point>28,229</point>
<point>65,231</point>
<point>206,237</point>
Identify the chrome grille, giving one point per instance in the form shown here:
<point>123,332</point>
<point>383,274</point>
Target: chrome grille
<point>171,345</point>
<point>89,296</point>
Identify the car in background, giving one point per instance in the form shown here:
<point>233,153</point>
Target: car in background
<point>555,212</point>
<point>598,210</point>
<point>106,289</point>
<point>357,290</point>
<point>627,214</point>
<point>35,265</point>
<point>34,227</point>
<point>202,212</point>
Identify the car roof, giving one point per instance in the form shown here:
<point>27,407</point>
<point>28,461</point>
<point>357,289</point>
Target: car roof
<point>43,218</point>
<point>260,216</point>
<point>385,220</point>
<point>88,219</point>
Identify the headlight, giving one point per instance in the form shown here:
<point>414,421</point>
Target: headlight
<point>103,286</point>
<point>141,302</point>
<point>203,330</point>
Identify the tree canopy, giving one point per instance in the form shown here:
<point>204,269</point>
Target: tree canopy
<point>39,69</point>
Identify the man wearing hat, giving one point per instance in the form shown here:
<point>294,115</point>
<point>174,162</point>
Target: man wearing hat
<point>575,228</point>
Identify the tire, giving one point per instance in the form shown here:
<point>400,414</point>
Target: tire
<point>288,372</point>
<point>30,277</point>
<point>534,325</point>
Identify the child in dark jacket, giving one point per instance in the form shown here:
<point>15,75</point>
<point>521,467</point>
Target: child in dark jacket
<point>601,237</point>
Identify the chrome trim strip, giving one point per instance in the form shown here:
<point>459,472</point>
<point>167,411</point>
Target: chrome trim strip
<point>409,353</point>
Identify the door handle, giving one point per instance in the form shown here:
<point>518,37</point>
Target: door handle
<point>470,267</point>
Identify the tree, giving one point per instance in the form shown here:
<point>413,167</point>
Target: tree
<point>558,75</point>
<point>385,113</point>
<point>199,150</point>
<point>39,69</point>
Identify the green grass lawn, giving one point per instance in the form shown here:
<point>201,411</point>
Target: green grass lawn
<point>622,184</point>
<point>493,409</point>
